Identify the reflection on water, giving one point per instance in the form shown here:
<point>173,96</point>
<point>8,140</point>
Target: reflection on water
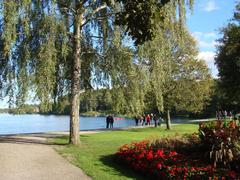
<point>14,124</point>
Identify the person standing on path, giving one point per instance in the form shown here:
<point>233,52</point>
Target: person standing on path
<point>220,114</point>
<point>217,115</point>
<point>136,118</point>
<point>230,115</point>
<point>225,114</point>
<point>107,121</point>
<point>143,120</point>
<point>111,121</point>
<point>155,119</point>
<point>148,118</point>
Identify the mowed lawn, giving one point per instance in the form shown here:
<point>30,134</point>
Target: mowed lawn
<point>95,154</point>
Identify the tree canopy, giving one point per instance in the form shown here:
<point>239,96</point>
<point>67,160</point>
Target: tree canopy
<point>228,62</point>
<point>55,48</point>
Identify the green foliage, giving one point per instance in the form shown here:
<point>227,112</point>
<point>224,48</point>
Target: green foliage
<point>62,106</point>
<point>139,16</point>
<point>142,18</point>
<point>39,42</point>
<point>228,63</point>
<point>177,79</point>
<point>10,22</point>
<point>25,109</point>
<point>189,85</point>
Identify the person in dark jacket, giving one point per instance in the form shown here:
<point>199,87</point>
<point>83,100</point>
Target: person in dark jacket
<point>136,118</point>
<point>111,121</point>
<point>107,121</point>
<point>155,119</point>
<point>143,120</point>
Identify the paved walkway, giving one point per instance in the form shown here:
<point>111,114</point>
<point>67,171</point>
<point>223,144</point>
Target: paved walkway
<point>29,157</point>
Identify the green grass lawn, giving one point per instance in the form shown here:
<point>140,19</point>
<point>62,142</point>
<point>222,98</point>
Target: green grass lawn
<point>95,154</point>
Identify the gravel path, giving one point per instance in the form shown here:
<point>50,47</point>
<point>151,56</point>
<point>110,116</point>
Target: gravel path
<point>29,157</point>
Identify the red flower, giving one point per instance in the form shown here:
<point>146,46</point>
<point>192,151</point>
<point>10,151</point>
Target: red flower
<point>159,165</point>
<point>160,153</point>
<point>149,155</point>
<point>232,174</point>
<point>167,164</point>
<point>172,153</point>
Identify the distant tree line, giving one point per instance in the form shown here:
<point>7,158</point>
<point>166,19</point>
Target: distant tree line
<point>24,109</point>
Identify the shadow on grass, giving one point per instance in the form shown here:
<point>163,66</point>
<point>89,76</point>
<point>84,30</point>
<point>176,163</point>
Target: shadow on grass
<point>34,138</point>
<point>120,170</point>
<point>60,140</point>
<point>146,129</point>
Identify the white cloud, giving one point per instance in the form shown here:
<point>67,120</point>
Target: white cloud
<point>197,35</point>
<point>208,56</point>
<point>205,40</point>
<point>205,35</point>
<point>210,35</point>
<point>210,6</point>
<point>206,44</point>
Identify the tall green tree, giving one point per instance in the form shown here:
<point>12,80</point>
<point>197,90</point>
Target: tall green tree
<point>188,84</point>
<point>45,43</point>
<point>54,46</point>
<point>228,62</point>
<point>177,79</point>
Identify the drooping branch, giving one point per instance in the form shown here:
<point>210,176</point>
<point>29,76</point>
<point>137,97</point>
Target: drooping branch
<point>90,16</point>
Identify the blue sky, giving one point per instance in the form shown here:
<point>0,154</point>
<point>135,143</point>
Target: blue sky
<point>204,23</point>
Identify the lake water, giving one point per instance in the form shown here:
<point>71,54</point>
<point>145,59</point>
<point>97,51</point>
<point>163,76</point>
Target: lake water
<point>34,123</point>
<point>16,124</point>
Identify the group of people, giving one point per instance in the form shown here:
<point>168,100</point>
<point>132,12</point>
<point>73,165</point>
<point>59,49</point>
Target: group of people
<point>109,121</point>
<point>142,120</point>
<point>223,114</point>
<point>148,119</point>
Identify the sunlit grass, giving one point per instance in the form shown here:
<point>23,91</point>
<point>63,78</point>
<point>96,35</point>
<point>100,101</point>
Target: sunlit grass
<point>94,155</point>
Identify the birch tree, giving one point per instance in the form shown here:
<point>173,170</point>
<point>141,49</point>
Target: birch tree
<point>53,47</point>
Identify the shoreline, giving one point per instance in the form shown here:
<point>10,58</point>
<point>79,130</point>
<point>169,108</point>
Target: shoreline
<point>87,131</point>
<point>98,130</point>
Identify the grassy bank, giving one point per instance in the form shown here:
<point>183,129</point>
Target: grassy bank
<point>94,155</point>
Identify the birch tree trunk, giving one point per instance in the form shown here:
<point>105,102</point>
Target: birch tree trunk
<point>168,122</point>
<point>75,84</point>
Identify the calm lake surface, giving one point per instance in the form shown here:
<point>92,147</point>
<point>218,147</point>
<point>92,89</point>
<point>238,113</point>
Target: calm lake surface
<point>16,124</point>
<point>34,123</point>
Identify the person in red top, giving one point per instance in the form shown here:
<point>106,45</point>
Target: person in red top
<point>148,119</point>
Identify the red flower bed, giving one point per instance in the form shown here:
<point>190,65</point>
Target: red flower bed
<point>165,164</point>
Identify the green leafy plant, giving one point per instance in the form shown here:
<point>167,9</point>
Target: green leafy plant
<point>219,139</point>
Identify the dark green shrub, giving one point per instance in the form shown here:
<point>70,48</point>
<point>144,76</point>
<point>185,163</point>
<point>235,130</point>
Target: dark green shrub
<point>219,139</point>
